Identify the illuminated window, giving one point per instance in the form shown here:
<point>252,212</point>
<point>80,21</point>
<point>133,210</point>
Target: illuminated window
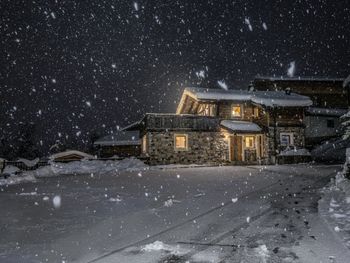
<point>256,112</point>
<point>144,143</point>
<point>286,139</point>
<point>236,111</point>
<point>249,142</point>
<point>181,142</point>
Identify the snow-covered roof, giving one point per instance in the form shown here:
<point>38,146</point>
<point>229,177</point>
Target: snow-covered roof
<point>120,138</point>
<point>29,163</point>
<point>311,78</point>
<point>71,152</point>
<point>240,126</point>
<point>219,94</point>
<point>326,111</point>
<point>280,99</point>
<point>265,98</point>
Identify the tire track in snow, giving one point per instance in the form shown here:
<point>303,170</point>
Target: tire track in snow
<point>188,221</point>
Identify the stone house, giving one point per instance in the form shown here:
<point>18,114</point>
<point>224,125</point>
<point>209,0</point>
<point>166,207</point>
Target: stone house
<point>224,126</point>
<point>330,99</point>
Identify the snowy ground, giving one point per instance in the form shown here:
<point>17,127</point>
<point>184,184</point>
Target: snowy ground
<point>202,214</point>
<point>335,207</point>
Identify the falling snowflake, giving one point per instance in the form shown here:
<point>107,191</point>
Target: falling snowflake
<point>200,74</point>
<point>222,84</point>
<point>291,69</point>
<point>56,201</point>
<point>264,26</point>
<point>247,22</point>
<point>136,6</point>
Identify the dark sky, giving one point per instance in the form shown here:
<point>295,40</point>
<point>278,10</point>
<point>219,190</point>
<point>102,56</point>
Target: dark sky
<point>72,67</point>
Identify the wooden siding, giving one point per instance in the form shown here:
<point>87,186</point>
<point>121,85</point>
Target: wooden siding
<point>181,122</point>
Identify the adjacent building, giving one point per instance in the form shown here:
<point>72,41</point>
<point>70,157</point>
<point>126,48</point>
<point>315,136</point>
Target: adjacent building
<point>330,99</point>
<point>119,144</point>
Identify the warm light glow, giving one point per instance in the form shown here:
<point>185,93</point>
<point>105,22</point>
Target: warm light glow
<point>180,141</point>
<point>236,111</point>
<point>249,142</point>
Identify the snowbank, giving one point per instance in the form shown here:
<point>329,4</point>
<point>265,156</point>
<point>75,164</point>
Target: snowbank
<point>29,163</point>
<point>78,167</point>
<point>334,206</point>
<point>89,166</point>
<point>295,152</point>
<point>160,246</point>
<point>15,176</point>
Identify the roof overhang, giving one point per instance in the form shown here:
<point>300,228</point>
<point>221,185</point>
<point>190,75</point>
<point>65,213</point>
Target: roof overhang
<point>240,126</point>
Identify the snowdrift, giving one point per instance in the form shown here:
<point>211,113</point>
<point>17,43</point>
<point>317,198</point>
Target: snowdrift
<point>89,166</point>
<point>332,151</point>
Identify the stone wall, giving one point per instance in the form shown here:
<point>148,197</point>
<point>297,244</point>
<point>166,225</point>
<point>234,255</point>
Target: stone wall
<point>299,139</point>
<point>203,147</point>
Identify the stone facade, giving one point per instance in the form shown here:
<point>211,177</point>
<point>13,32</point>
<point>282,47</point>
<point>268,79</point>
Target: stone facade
<point>298,139</point>
<point>203,147</point>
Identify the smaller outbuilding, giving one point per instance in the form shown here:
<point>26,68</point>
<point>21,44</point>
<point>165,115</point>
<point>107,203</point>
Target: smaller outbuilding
<point>70,156</point>
<point>120,144</point>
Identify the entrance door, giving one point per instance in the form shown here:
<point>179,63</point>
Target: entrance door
<point>236,148</point>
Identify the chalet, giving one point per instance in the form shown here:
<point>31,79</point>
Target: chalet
<point>224,126</point>
<point>330,99</point>
<point>121,144</point>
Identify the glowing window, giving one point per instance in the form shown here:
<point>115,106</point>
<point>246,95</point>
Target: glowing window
<point>181,141</point>
<point>249,142</point>
<point>144,144</point>
<point>256,112</point>
<point>236,111</point>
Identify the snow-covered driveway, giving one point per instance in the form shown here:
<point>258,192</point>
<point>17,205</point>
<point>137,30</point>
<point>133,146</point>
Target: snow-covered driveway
<point>207,214</point>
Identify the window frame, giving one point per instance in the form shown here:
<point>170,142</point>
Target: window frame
<point>186,142</point>
<point>240,111</point>
<point>245,142</point>
<point>291,138</point>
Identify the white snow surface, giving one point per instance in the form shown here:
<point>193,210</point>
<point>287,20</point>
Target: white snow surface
<point>295,152</point>
<point>83,167</point>
<point>326,111</point>
<point>71,152</point>
<point>89,167</point>
<point>244,126</point>
<point>9,169</point>
<point>334,207</point>
<point>160,246</point>
<point>17,178</point>
<point>265,98</point>
<point>29,163</point>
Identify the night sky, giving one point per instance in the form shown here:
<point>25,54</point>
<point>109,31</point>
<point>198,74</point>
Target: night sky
<point>76,67</point>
